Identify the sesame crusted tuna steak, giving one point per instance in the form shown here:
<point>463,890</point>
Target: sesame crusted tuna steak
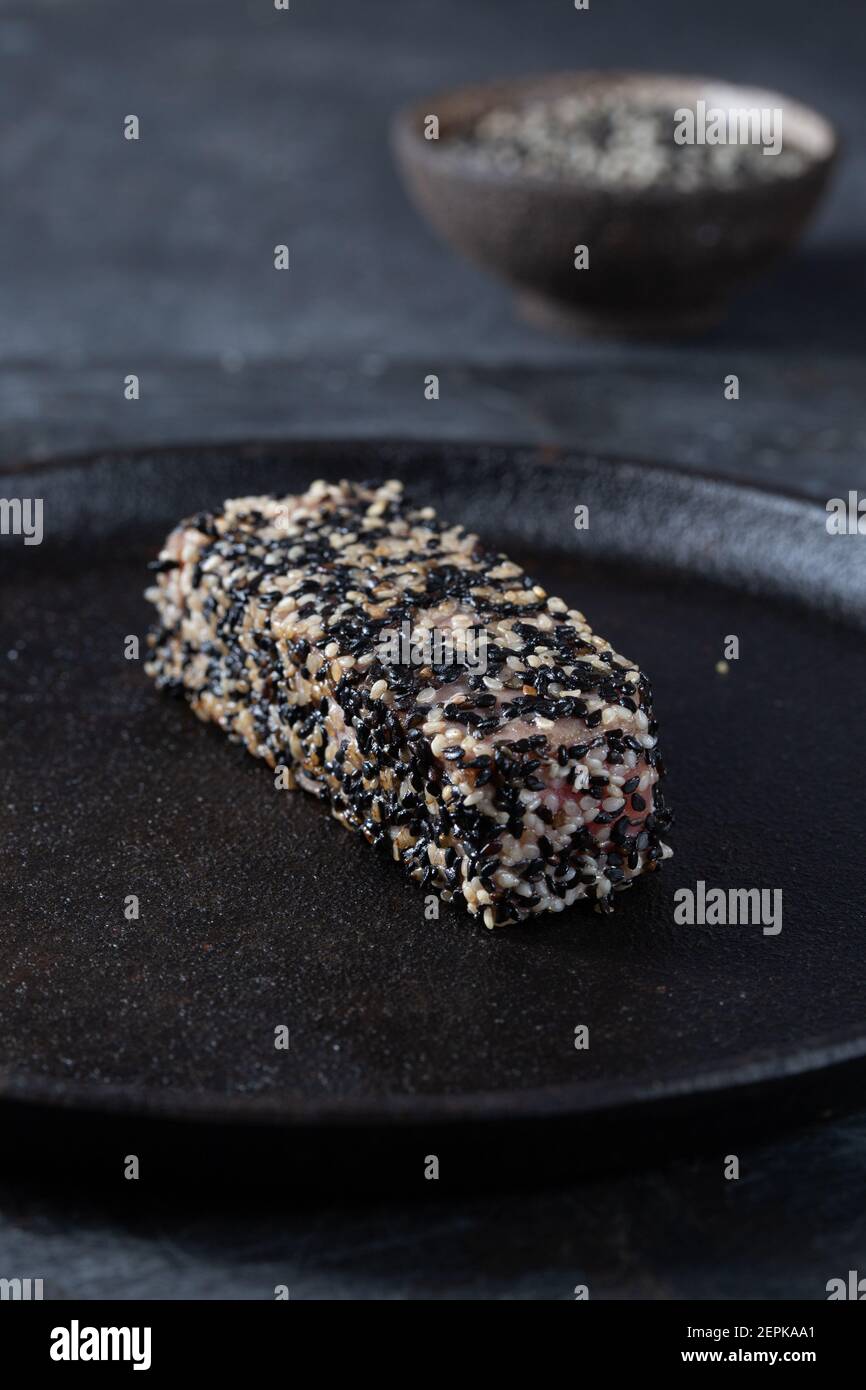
<point>518,771</point>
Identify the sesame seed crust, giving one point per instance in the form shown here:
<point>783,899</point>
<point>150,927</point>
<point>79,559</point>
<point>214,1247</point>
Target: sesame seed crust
<point>520,790</point>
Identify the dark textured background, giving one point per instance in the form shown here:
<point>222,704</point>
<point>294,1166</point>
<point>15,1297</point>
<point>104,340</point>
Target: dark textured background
<point>156,258</point>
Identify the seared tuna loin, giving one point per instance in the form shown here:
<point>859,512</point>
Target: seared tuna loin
<point>424,687</point>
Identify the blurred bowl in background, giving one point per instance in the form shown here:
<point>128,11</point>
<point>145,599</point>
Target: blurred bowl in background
<point>668,242</point>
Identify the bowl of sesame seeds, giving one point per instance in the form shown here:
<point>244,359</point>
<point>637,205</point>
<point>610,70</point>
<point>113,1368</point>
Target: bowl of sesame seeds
<point>616,202</point>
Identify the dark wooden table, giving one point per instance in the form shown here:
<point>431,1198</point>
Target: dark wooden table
<point>155,257</point>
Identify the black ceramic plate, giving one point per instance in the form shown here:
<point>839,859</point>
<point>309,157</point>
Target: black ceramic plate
<point>257,910</point>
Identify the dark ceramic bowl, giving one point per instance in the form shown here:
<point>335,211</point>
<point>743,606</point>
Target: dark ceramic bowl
<point>661,258</point>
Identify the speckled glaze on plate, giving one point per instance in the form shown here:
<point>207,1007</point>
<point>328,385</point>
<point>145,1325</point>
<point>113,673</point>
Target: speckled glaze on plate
<point>258,910</point>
